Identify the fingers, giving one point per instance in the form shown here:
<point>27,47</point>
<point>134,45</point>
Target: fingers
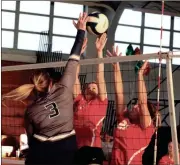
<point>117,50</point>
<point>143,68</point>
<point>113,51</point>
<point>103,36</point>
<point>120,54</point>
<point>105,41</point>
<point>80,16</point>
<point>109,54</point>
<point>145,64</point>
<point>97,40</point>
<point>75,24</point>
<point>84,17</point>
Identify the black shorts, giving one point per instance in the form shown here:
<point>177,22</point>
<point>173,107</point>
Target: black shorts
<point>60,152</point>
<point>89,155</point>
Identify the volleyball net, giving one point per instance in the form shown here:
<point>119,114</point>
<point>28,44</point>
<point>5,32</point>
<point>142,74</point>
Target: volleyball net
<point>169,104</point>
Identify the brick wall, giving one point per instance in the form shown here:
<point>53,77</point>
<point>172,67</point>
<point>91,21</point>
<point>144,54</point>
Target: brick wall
<point>13,111</point>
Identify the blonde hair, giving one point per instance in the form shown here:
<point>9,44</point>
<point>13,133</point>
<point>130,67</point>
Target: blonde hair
<point>40,82</point>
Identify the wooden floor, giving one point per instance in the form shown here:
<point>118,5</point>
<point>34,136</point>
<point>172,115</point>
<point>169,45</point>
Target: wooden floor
<point>12,161</point>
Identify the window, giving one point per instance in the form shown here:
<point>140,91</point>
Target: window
<point>152,37</point>
<point>8,20</point>
<point>40,7</point>
<point>176,61</point>
<point>148,49</point>
<point>33,23</point>
<point>154,21</point>
<point>123,47</point>
<point>67,10</point>
<point>28,41</point>
<point>9,5</point>
<point>7,39</point>
<point>64,27</point>
<point>130,17</point>
<point>62,44</point>
<point>176,40</point>
<point>177,23</point>
<point>127,34</point>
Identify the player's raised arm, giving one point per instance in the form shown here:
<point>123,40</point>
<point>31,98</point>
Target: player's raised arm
<point>69,75</point>
<point>145,118</point>
<point>77,85</point>
<point>100,43</point>
<point>118,84</point>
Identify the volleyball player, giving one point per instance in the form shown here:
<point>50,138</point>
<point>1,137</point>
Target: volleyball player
<point>90,110</point>
<point>135,127</point>
<point>169,158</point>
<point>49,119</point>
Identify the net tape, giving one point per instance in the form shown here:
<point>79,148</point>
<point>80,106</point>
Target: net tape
<point>92,61</point>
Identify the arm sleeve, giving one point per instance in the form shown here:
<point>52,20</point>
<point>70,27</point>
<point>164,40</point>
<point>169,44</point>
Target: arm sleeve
<point>69,76</point>
<point>28,126</point>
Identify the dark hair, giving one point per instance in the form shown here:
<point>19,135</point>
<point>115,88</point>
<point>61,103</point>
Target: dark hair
<point>153,111</point>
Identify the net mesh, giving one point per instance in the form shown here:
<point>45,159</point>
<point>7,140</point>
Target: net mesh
<point>13,111</point>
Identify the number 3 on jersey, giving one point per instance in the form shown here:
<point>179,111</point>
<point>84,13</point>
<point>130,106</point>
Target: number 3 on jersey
<point>53,108</point>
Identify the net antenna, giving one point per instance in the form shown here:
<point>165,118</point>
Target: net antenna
<point>170,96</point>
<point>159,83</point>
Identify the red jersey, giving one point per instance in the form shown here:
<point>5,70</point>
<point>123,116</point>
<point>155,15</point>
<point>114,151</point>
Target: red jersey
<point>130,141</point>
<point>88,117</point>
<point>166,160</point>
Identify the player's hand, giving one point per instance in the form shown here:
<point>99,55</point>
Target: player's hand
<point>101,42</point>
<point>81,24</point>
<point>84,45</point>
<point>144,68</point>
<point>114,53</point>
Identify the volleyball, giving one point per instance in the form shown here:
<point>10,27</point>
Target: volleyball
<point>97,24</point>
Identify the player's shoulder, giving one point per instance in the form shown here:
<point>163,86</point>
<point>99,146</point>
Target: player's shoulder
<point>163,160</point>
<point>79,98</point>
<point>56,91</point>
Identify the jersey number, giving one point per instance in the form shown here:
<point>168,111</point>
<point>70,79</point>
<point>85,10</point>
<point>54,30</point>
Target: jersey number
<point>53,108</point>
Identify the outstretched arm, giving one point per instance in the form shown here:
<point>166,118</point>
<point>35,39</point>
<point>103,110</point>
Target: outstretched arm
<point>100,43</point>
<point>145,117</point>
<point>118,86</point>
<point>77,85</point>
<point>69,75</point>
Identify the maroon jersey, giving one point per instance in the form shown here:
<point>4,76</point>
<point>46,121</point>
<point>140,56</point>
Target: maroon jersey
<point>166,160</point>
<point>88,118</point>
<point>130,141</point>
<point>53,114</point>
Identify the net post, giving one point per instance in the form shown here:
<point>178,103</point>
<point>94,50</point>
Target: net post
<point>172,107</point>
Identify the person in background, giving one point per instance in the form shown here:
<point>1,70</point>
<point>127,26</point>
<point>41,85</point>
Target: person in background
<point>49,119</point>
<point>135,127</point>
<point>168,159</point>
<point>89,111</point>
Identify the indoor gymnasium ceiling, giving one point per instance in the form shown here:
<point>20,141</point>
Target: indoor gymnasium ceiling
<point>171,7</point>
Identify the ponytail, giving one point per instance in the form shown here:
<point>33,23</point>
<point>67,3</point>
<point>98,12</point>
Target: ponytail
<point>19,94</point>
<point>40,83</point>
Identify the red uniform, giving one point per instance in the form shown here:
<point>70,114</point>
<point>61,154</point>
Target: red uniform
<point>130,141</point>
<point>165,160</point>
<point>88,119</point>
